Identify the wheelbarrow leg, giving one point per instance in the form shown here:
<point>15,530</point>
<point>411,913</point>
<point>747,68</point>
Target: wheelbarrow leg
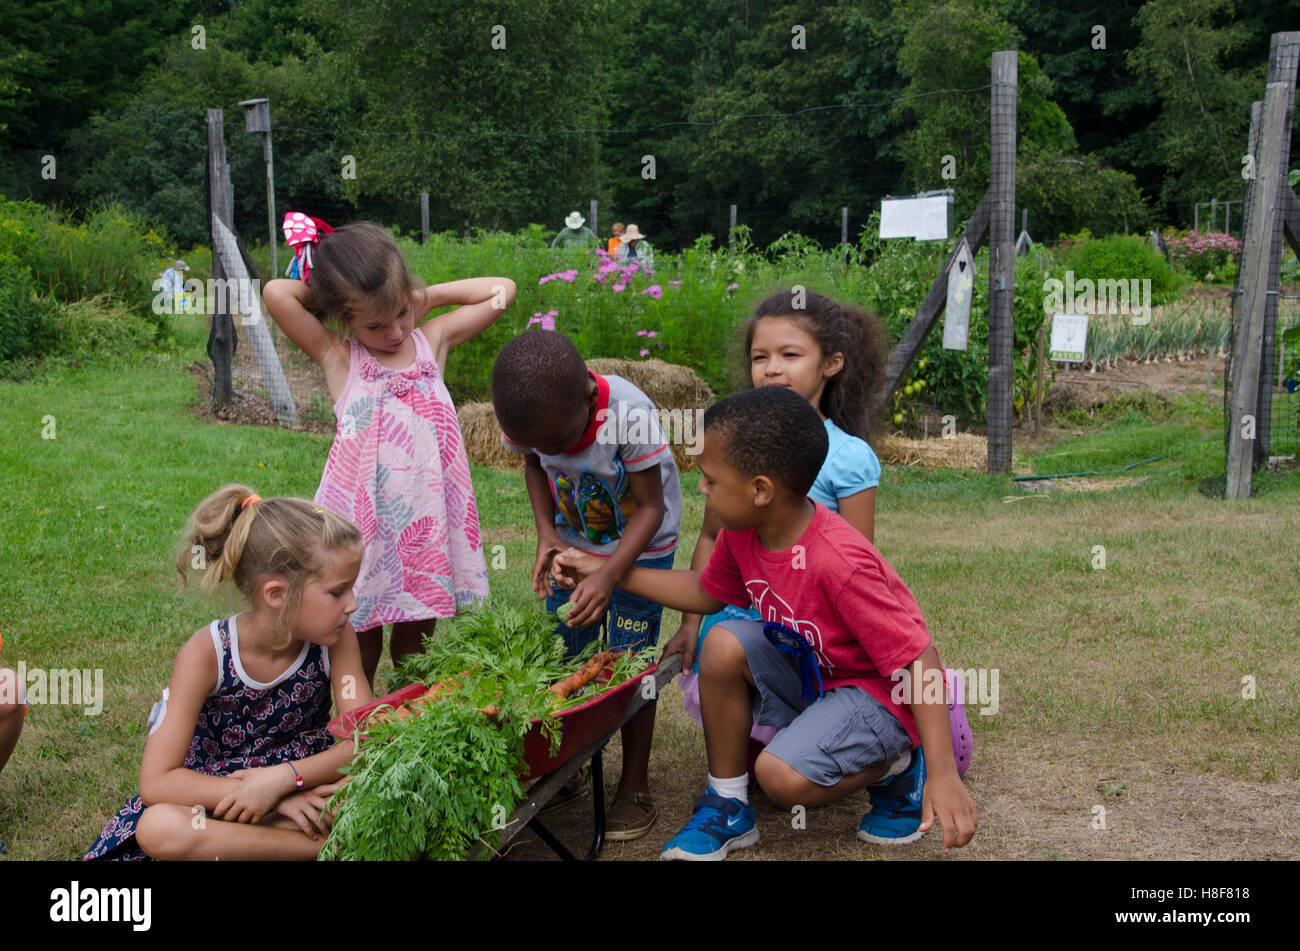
<point>598,809</point>
<point>598,805</point>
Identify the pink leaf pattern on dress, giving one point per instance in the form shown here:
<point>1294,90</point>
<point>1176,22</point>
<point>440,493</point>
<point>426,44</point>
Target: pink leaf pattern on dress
<point>398,469</point>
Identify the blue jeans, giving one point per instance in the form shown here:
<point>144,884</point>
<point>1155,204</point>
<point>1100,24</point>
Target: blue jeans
<point>633,621</point>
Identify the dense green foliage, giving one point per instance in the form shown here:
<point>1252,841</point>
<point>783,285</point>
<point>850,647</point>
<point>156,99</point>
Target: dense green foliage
<point>75,289</point>
<point>1119,257</point>
<point>667,111</point>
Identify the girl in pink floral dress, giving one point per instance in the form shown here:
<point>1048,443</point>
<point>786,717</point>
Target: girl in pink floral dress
<point>398,467</point>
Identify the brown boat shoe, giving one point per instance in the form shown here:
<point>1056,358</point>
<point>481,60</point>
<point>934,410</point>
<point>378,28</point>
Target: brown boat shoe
<point>630,818</point>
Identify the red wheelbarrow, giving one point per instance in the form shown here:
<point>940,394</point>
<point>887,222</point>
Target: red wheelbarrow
<point>584,732</point>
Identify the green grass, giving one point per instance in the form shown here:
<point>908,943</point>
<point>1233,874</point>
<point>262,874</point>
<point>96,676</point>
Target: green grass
<point>1147,654</point>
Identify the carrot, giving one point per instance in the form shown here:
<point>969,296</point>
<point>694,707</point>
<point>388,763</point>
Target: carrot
<point>583,675</point>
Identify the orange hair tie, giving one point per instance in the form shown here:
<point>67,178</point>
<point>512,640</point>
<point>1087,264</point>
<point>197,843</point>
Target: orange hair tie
<point>248,501</point>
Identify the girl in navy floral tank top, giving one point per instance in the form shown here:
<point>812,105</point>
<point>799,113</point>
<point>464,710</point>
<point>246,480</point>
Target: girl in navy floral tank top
<point>238,764</point>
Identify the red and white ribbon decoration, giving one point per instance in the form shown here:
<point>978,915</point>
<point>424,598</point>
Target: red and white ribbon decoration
<point>300,233</point>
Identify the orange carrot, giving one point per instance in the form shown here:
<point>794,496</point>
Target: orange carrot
<point>583,675</point>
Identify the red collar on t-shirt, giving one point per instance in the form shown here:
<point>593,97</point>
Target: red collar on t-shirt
<point>597,418</point>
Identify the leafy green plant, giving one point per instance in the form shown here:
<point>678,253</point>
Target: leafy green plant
<point>1125,257</point>
<point>26,318</point>
<point>434,783</point>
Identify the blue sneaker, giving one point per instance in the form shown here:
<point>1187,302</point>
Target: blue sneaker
<point>895,816</point>
<point>717,827</point>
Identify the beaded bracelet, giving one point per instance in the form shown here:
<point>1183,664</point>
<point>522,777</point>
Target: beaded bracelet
<point>297,779</point>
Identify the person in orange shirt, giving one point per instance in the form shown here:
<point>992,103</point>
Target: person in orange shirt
<point>617,239</point>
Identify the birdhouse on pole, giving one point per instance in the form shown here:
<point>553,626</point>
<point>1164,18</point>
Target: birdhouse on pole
<point>961,281</point>
<point>257,118</point>
<point>257,115</point>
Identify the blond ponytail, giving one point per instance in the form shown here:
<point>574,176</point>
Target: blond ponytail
<point>233,534</point>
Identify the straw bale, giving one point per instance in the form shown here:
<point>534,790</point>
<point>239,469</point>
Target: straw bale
<point>959,451</point>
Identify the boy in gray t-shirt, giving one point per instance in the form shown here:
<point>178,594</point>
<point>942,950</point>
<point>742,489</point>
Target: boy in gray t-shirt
<point>601,478</point>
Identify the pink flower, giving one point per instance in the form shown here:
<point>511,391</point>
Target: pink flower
<point>655,291</point>
<point>675,283</point>
<point>619,287</point>
<point>642,333</point>
<point>653,333</point>
<point>645,353</point>
<point>732,287</point>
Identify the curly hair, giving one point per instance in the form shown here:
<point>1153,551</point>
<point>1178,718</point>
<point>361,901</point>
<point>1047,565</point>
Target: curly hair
<point>849,399</point>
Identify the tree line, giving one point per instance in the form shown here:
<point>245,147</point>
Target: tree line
<point>666,111</point>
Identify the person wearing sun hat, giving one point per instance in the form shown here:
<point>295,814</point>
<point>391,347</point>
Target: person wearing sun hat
<point>173,285</point>
<point>576,234</point>
<point>635,248</point>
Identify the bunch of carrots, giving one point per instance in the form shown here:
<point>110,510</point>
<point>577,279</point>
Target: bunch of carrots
<point>560,690</point>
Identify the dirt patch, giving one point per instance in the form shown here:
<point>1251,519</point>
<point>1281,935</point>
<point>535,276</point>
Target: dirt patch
<point>1164,378</point>
<point>1040,797</point>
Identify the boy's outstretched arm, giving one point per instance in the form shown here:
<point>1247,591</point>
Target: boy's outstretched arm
<point>945,798</point>
<point>672,588</point>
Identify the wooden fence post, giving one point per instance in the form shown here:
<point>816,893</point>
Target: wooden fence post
<point>1261,256</point>
<point>1283,60</point>
<point>731,229</point>
<point>221,334</point>
<point>1002,209</point>
<point>424,217</point>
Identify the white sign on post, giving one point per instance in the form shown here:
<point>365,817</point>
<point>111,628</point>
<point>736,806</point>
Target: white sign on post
<point>1069,337</point>
<point>925,219</point>
<point>956,315</point>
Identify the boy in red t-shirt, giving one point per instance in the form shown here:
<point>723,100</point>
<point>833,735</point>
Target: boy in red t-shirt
<point>839,623</point>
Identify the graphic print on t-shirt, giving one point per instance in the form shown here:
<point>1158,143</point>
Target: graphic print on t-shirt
<point>772,608</point>
<point>593,508</point>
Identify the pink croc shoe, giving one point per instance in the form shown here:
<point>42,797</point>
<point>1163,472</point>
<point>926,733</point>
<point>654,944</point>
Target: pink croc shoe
<point>963,744</point>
